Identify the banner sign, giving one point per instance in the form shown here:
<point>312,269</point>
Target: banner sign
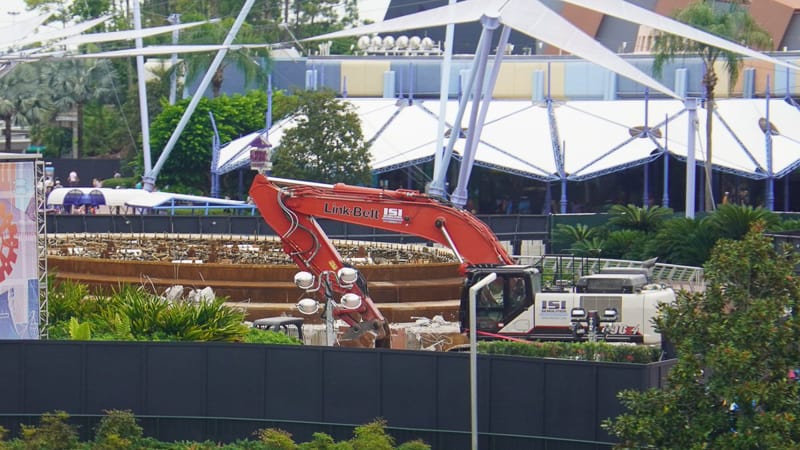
<point>19,269</point>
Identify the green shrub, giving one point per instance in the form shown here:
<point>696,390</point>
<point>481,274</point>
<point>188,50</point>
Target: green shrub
<point>53,433</point>
<point>414,445</point>
<point>587,351</point>
<point>275,439</point>
<point>117,430</point>
<point>257,336</point>
<point>372,436</point>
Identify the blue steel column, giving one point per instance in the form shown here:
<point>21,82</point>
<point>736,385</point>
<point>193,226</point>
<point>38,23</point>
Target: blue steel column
<point>444,95</point>
<point>151,174</point>
<point>646,133</point>
<point>215,149</point>
<point>437,187</point>
<point>691,108</point>
<point>563,178</point>
<point>477,91</point>
<point>460,194</point>
<point>770,196</point>
<point>665,197</point>
<point>786,193</point>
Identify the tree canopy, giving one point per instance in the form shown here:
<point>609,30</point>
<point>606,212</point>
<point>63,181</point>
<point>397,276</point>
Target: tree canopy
<point>188,167</point>
<point>326,145</point>
<point>734,385</point>
<point>730,20</point>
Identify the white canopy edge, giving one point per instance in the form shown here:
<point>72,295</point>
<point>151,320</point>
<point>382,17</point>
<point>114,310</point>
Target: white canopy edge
<point>636,14</point>
<point>538,21</point>
<point>138,198</point>
<point>24,27</point>
<point>51,35</point>
<point>530,17</point>
<point>165,50</point>
<point>127,35</point>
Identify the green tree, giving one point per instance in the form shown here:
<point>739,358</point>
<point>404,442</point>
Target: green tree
<point>733,221</point>
<point>188,167</point>
<point>252,62</point>
<point>632,217</point>
<point>736,345</point>
<point>683,241</point>
<point>730,20</point>
<point>75,83</point>
<point>22,101</point>
<point>326,145</point>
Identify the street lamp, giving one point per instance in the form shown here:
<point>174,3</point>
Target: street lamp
<point>585,324</point>
<point>345,278</point>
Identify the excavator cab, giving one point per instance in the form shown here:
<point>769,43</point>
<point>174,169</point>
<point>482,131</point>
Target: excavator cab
<point>498,302</point>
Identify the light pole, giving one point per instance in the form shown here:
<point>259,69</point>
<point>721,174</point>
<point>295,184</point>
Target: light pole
<point>345,277</point>
<point>473,356</point>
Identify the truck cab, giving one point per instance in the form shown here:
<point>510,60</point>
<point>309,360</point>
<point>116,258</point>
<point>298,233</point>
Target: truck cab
<point>551,315</point>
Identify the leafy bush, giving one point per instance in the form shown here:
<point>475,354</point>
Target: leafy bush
<point>587,351</point>
<point>131,313</point>
<point>276,439</point>
<point>53,433</point>
<point>118,430</point>
<point>257,336</point>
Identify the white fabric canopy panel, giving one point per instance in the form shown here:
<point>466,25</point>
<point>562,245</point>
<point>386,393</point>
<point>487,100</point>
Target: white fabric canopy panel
<point>138,198</point>
<point>236,153</point>
<point>517,136</point>
<point>530,17</point>
<point>46,35</point>
<point>597,136</point>
<point>742,116</point>
<point>636,14</point>
<point>408,138</point>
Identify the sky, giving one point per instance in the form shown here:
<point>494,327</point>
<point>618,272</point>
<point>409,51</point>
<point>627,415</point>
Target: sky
<point>7,6</point>
<point>369,9</point>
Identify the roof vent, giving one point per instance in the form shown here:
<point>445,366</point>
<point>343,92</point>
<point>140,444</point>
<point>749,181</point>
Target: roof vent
<point>639,131</point>
<point>762,123</point>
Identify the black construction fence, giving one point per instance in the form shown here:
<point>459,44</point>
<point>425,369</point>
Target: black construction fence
<point>512,228</point>
<point>223,392</point>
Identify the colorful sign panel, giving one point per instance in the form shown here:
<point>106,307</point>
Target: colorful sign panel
<point>19,268</point>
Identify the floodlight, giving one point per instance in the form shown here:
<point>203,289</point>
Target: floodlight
<point>304,280</point>
<point>347,275</point>
<point>308,306</point>
<point>350,301</point>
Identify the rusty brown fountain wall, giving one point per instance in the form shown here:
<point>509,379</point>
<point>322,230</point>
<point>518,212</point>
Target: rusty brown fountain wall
<point>400,290</point>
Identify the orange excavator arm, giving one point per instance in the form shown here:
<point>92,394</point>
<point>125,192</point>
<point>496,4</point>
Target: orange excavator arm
<point>291,211</point>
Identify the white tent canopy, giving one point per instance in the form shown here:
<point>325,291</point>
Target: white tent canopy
<point>530,17</point>
<point>595,137</point>
<point>134,198</point>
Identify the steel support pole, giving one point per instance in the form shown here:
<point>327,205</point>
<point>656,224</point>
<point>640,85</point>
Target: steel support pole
<point>665,196</point>
<point>691,108</point>
<point>144,117</point>
<point>151,175</point>
<point>473,356</point>
<point>460,195</point>
<point>174,19</point>
<point>770,191</point>
<point>444,87</point>
<point>438,184</point>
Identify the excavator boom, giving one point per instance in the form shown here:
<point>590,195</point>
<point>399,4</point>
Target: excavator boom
<point>292,212</point>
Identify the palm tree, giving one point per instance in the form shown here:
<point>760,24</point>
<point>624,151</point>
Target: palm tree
<point>74,83</point>
<point>632,217</point>
<point>730,20</point>
<point>245,59</point>
<point>734,221</point>
<point>683,240</point>
<point>22,101</point>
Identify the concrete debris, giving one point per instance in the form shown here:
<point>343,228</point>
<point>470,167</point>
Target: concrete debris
<point>204,295</point>
<point>173,293</point>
